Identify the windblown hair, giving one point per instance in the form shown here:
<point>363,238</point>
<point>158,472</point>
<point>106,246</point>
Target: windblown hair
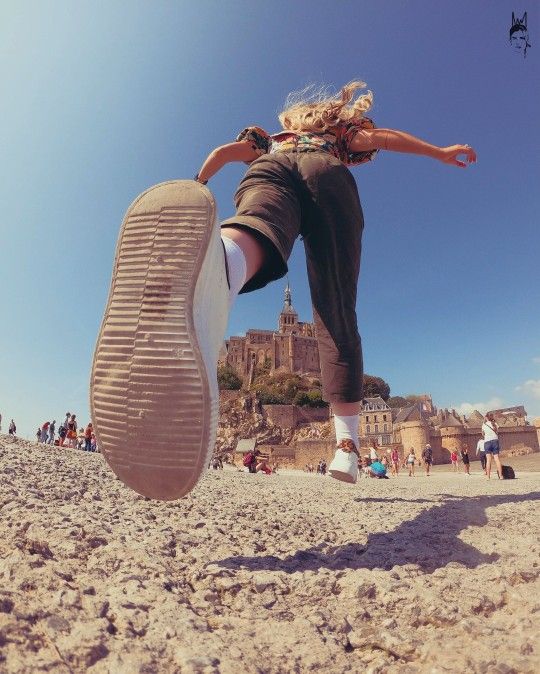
<point>315,109</point>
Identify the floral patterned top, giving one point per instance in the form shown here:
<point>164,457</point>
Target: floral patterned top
<point>335,141</point>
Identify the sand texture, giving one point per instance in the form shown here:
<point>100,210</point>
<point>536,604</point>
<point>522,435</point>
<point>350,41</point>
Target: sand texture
<point>255,573</point>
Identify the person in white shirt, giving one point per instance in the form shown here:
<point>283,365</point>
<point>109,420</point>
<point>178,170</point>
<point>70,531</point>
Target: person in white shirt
<point>491,446</point>
<point>481,452</point>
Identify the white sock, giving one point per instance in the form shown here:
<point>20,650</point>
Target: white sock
<point>346,428</point>
<point>236,268</point>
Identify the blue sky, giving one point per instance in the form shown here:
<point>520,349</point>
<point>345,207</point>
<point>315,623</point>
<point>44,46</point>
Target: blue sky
<point>100,102</point>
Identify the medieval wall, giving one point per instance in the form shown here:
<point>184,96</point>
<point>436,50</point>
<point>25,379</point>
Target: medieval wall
<point>312,451</point>
<point>514,438</point>
<point>289,416</point>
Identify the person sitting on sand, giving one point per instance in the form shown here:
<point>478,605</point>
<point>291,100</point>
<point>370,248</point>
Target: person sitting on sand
<point>411,460</point>
<point>263,467</point>
<point>377,470</point>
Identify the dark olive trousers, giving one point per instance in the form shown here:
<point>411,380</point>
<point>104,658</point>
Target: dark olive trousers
<point>312,194</point>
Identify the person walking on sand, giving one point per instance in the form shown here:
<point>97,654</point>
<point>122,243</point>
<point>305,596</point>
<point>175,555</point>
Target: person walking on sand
<point>464,454</point>
<point>454,460</point>
<point>394,455</point>
<point>52,429</point>
<point>45,432</point>
<point>480,451</point>
<point>490,431</point>
<point>411,460</point>
<point>298,184</point>
<point>88,437</point>
<point>72,432</point>
<point>12,428</point>
<point>427,458</point>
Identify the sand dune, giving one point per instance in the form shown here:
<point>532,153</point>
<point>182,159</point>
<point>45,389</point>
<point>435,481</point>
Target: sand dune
<point>255,573</point>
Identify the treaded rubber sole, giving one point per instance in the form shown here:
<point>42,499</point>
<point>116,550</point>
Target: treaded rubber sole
<point>342,476</point>
<point>149,393</point>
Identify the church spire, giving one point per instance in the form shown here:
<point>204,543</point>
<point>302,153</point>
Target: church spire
<point>288,317</point>
<point>288,300</point>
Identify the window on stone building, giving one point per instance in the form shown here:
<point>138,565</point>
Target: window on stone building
<point>384,417</point>
<point>368,429</point>
<point>376,427</point>
<point>367,420</point>
<point>385,427</point>
<point>375,418</point>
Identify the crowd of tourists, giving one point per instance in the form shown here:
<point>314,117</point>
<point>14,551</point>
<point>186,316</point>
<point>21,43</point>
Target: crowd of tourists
<point>70,434</point>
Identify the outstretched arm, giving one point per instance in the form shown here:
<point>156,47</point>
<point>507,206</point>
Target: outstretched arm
<point>239,151</point>
<point>400,141</point>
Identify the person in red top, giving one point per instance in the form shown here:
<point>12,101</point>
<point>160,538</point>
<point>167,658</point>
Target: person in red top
<point>454,460</point>
<point>88,438</point>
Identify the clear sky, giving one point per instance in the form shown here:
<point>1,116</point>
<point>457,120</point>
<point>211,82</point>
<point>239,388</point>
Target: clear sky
<point>102,99</point>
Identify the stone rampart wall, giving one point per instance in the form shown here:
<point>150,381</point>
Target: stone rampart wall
<point>290,416</point>
<point>312,451</point>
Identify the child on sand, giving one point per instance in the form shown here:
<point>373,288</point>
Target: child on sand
<point>176,275</point>
<point>454,460</point>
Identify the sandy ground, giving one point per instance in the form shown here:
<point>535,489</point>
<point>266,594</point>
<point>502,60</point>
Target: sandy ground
<point>255,573</point>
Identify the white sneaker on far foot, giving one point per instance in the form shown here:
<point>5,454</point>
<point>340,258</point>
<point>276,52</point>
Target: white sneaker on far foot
<point>153,390</point>
<point>344,465</point>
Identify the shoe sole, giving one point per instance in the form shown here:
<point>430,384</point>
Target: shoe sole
<point>150,398</point>
<point>342,476</point>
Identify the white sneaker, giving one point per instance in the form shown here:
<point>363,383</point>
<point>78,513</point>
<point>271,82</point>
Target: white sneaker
<point>344,465</point>
<point>153,391</point>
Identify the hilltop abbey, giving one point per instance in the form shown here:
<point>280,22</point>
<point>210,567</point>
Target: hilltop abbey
<point>292,348</point>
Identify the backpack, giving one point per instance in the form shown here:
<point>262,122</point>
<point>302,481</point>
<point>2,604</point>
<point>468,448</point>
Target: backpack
<point>508,473</point>
<point>248,458</point>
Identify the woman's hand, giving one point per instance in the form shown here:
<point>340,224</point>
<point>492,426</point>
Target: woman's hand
<point>450,154</point>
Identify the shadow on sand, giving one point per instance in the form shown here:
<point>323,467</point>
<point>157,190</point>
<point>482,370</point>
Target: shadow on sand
<point>430,540</point>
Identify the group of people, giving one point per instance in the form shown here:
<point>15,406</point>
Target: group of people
<point>69,434</point>
<point>256,462</point>
<point>12,430</point>
<point>320,469</point>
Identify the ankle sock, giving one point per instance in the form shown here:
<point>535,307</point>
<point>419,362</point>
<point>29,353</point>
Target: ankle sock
<point>236,267</point>
<point>346,428</point>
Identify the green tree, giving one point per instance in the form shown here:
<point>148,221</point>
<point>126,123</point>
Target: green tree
<point>375,386</point>
<point>312,398</point>
<point>227,378</point>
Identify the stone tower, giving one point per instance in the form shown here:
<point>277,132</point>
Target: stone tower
<point>288,318</point>
<point>414,433</point>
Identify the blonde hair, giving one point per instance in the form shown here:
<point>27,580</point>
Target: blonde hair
<point>315,109</point>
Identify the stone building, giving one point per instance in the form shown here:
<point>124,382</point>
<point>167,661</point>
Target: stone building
<point>292,348</point>
<point>375,422</point>
<point>421,423</point>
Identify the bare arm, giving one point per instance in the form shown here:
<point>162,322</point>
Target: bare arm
<point>400,141</point>
<point>239,151</point>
